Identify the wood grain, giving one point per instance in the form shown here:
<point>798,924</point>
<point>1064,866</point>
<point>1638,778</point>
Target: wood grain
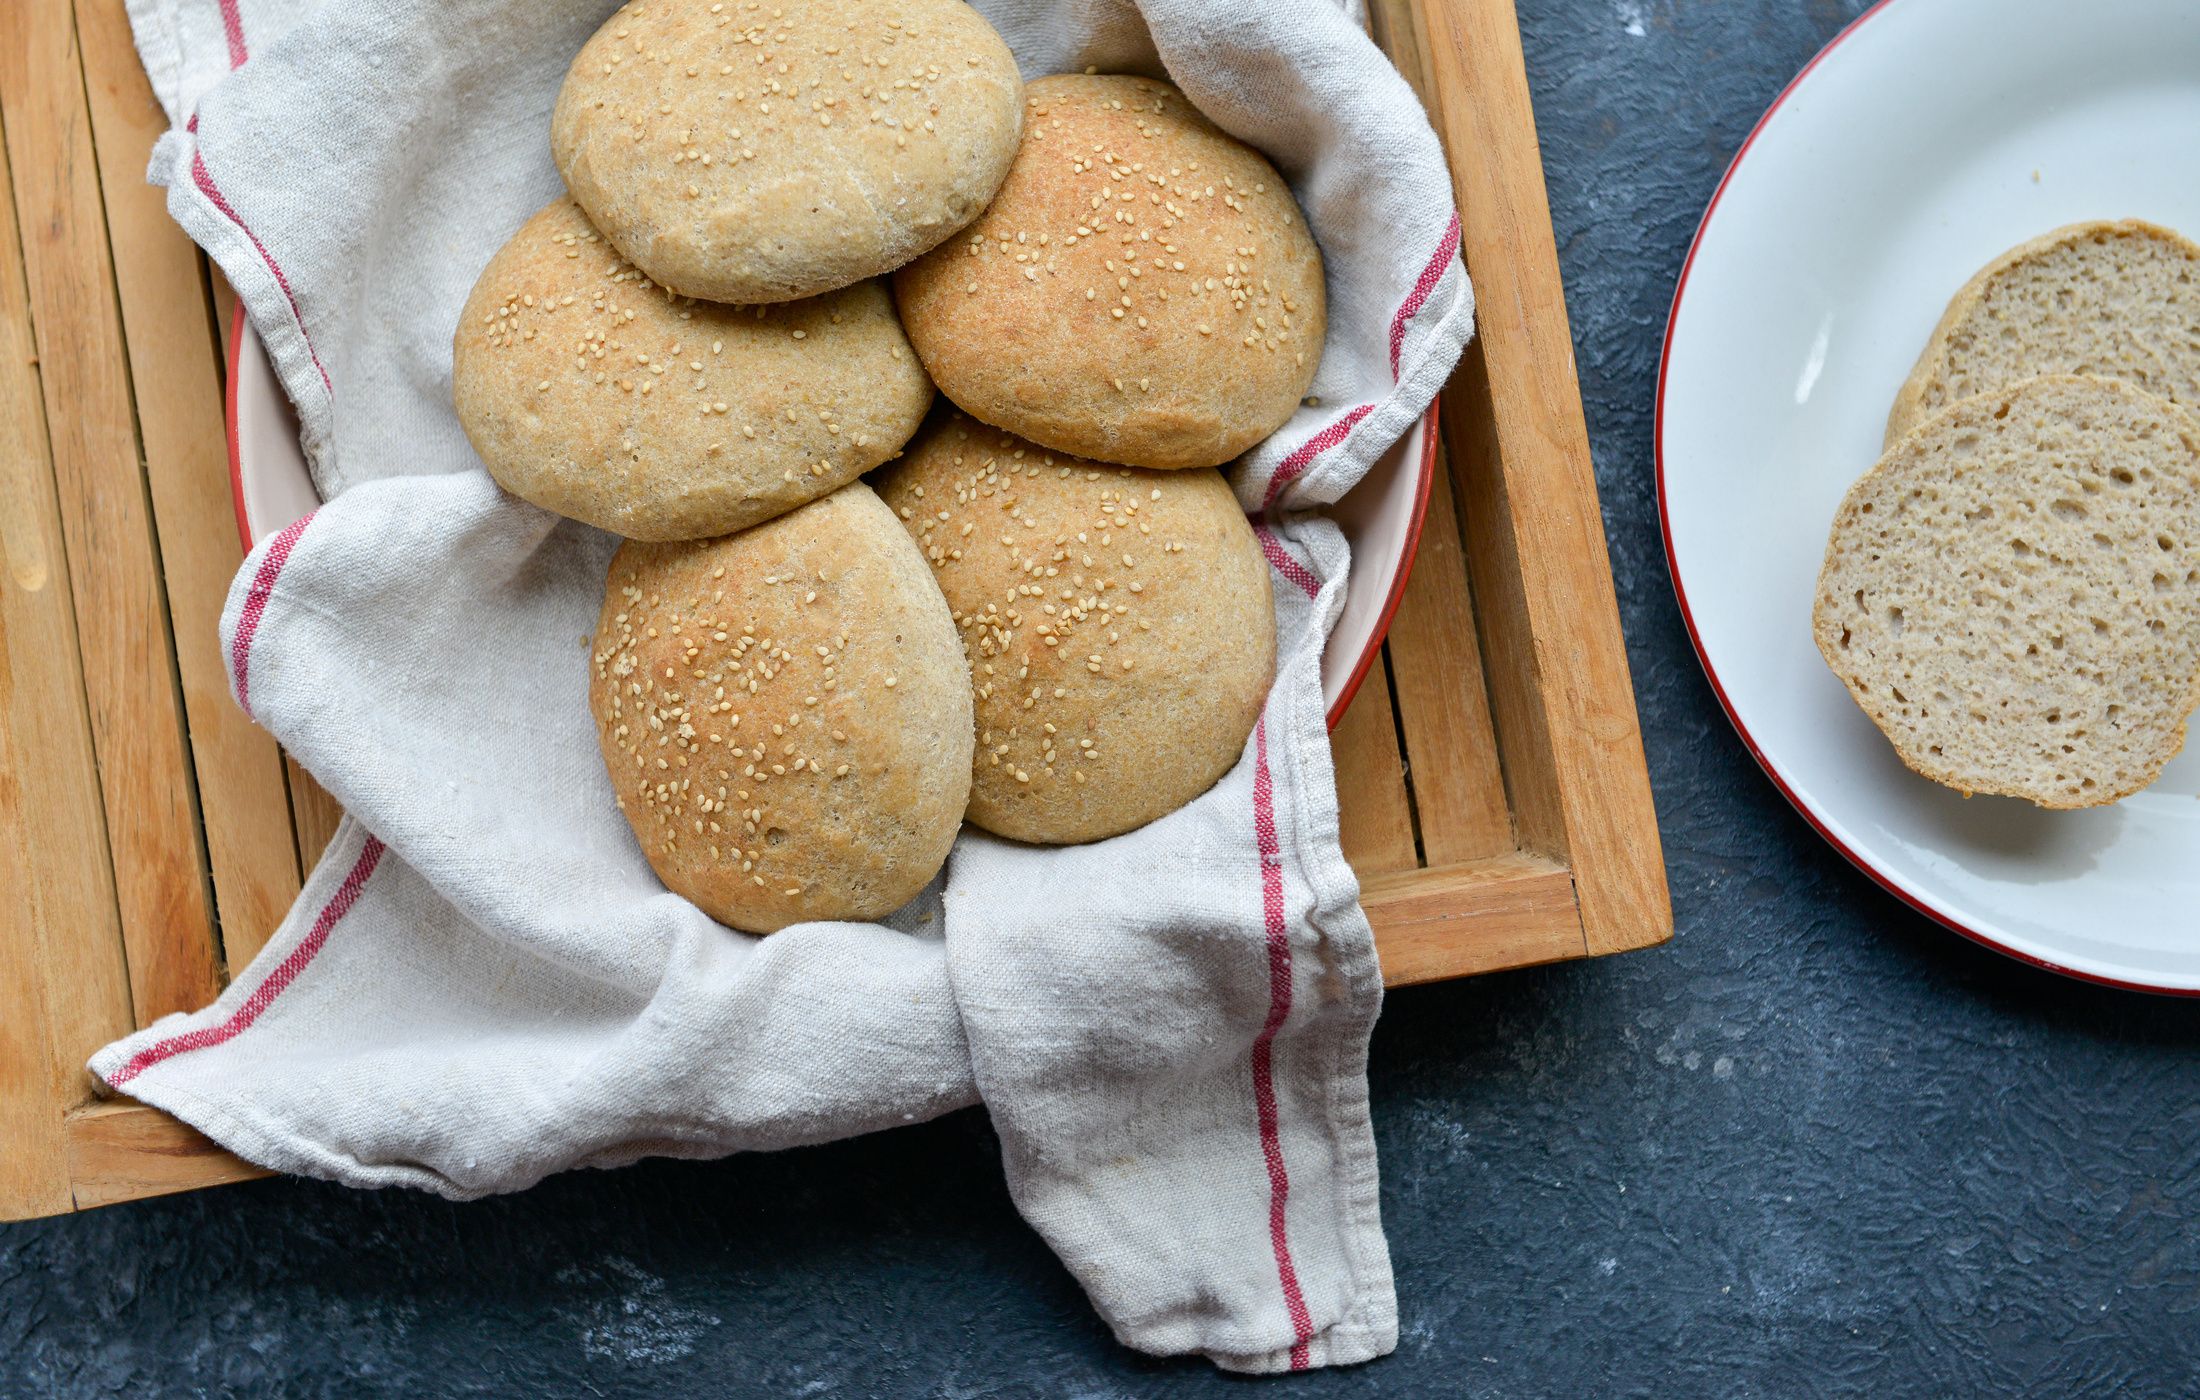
<point>1443,706</point>
<point>166,321</point>
<point>1390,24</point>
<point>128,1151</point>
<point>225,316</point>
<point>1451,921</point>
<point>313,811</point>
<point>121,612</point>
<point>1374,812</point>
<point>1565,706</point>
<point>64,991</point>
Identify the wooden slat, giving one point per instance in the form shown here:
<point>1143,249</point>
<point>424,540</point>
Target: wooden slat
<point>1563,700</point>
<point>314,812</point>
<point>1390,23</point>
<point>1374,814</point>
<point>1460,920</point>
<point>127,1151</point>
<point>172,348</point>
<point>122,633</point>
<point>225,314</point>
<point>1443,705</point>
<point>64,991</point>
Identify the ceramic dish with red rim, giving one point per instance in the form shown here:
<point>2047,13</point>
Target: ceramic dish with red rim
<point>1381,517</point>
<point>1925,140</point>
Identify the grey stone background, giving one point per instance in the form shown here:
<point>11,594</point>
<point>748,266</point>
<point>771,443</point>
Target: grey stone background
<point>1814,1146</point>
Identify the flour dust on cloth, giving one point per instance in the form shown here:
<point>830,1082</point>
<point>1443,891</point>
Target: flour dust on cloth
<point>483,983</point>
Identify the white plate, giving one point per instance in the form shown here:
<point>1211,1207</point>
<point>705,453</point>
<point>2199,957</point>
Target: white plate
<point>1930,136</point>
<point>1381,516</point>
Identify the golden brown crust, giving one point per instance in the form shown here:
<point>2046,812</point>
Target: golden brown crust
<point>1118,625</point>
<point>756,152</point>
<point>785,715</point>
<point>593,393</point>
<point>1924,391</point>
<point>1143,289</point>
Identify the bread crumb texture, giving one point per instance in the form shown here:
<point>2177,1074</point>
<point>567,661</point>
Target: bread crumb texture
<point>1143,289</point>
<point>2107,300</point>
<point>785,715</point>
<point>593,392</point>
<point>764,150</point>
<point>2013,592</point>
<point>1118,626</point>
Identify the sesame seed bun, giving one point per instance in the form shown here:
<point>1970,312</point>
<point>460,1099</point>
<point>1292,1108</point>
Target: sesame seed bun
<point>1118,625</point>
<point>591,392</point>
<point>785,715</point>
<point>747,152</point>
<point>1143,289</point>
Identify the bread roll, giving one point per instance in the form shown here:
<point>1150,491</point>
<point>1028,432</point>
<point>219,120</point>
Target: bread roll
<point>752,152</point>
<point>1142,290</point>
<point>785,715</point>
<point>591,392</point>
<point>2111,300</point>
<point>2013,592</point>
<point>1118,625</point>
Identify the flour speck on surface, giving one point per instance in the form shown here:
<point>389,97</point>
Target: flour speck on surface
<point>626,1315</point>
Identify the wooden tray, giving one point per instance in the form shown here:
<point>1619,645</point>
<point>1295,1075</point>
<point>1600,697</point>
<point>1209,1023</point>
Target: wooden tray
<point>1494,796</point>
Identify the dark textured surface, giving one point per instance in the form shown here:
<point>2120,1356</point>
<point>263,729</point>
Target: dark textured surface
<point>1814,1146</point>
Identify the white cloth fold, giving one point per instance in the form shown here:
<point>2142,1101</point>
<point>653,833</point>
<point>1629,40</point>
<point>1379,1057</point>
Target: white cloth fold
<point>483,982</point>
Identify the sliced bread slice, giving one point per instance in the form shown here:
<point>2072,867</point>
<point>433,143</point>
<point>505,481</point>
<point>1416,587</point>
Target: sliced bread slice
<point>2013,592</point>
<point>2113,300</point>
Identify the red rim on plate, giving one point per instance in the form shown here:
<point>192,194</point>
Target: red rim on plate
<point>1680,592</point>
<point>1360,668</point>
<point>1398,581</point>
<point>229,425</point>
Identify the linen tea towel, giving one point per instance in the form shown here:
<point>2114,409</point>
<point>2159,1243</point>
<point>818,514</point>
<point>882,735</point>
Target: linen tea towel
<point>483,982</point>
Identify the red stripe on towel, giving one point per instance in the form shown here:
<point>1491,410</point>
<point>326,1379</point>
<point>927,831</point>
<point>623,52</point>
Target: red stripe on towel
<point>1295,465</point>
<point>1446,248</point>
<point>263,995</point>
<point>233,31</point>
<point>1281,561</point>
<point>205,181</point>
<point>255,606</point>
<point>1264,1081</point>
